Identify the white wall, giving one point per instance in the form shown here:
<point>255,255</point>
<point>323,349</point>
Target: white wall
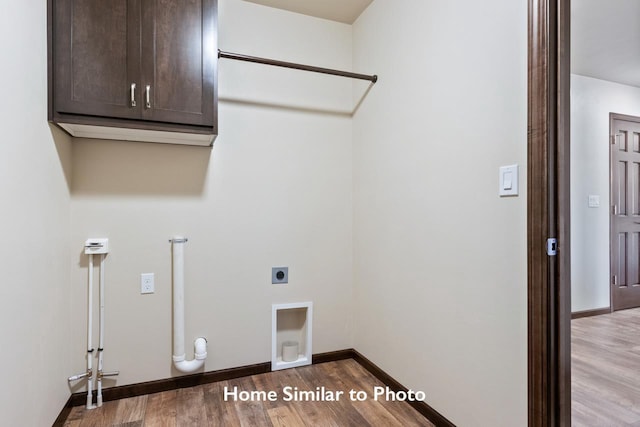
<point>275,190</point>
<point>591,102</point>
<point>440,259</point>
<point>34,207</point>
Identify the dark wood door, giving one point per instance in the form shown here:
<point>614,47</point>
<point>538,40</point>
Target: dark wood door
<point>625,212</point>
<point>178,61</point>
<point>97,57</point>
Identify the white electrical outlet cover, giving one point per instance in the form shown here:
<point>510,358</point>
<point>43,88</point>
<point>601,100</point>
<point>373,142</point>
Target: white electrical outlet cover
<point>147,283</point>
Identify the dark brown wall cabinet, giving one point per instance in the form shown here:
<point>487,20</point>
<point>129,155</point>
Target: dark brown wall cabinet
<point>142,70</point>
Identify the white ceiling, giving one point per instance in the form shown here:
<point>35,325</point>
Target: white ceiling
<point>605,40</point>
<point>346,11</point>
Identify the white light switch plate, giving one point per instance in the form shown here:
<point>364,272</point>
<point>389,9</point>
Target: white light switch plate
<point>508,179</point>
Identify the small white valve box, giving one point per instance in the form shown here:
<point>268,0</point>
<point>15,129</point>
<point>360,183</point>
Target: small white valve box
<point>96,246</point>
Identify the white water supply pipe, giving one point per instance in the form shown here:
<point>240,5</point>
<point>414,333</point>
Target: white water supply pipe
<point>200,344</point>
<point>101,341</point>
<point>89,337</point>
<point>88,374</point>
<point>94,246</point>
<point>101,373</point>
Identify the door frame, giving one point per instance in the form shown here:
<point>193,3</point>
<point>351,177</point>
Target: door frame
<point>548,214</point>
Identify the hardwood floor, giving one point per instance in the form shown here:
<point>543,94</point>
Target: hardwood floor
<point>205,406</point>
<point>605,358</point>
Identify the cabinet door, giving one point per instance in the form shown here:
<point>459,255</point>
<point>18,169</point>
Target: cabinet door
<point>179,55</point>
<point>97,57</point>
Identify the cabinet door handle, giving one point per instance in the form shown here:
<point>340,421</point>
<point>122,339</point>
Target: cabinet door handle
<point>147,94</point>
<point>133,94</point>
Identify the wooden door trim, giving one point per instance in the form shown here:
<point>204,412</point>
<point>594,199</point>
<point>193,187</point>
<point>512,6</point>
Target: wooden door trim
<point>548,281</point>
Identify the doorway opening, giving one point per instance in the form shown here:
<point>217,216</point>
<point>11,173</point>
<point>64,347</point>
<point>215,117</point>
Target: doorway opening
<point>549,215</point>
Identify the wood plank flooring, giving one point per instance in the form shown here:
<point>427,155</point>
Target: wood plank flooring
<point>205,406</point>
<point>605,359</point>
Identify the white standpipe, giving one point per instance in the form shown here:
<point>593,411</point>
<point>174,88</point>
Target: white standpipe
<point>200,344</point>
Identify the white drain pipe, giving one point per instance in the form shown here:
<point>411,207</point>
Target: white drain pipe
<point>200,344</point>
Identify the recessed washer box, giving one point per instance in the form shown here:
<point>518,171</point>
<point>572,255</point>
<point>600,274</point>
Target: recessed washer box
<point>291,323</point>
